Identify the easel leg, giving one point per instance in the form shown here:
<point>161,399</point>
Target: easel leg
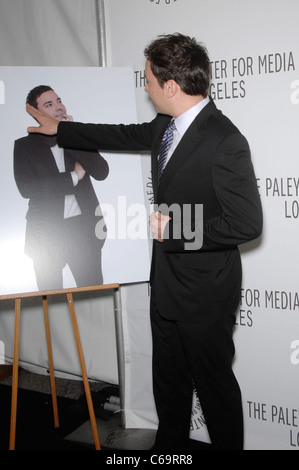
<point>51,366</point>
<point>84,373</point>
<point>120,353</point>
<point>14,393</point>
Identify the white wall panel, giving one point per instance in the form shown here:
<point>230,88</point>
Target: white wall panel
<point>254,51</point>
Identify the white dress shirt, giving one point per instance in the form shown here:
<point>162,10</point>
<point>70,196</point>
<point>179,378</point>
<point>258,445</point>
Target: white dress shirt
<point>71,206</point>
<point>182,123</point>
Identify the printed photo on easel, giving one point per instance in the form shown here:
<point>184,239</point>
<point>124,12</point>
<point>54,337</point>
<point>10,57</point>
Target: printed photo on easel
<point>72,217</point>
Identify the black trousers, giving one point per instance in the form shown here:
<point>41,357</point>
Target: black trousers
<point>79,248</point>
<point>195,354</point>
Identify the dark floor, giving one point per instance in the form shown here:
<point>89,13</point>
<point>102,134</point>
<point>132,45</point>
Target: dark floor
<point>35,425</point>
<point>35,428</point>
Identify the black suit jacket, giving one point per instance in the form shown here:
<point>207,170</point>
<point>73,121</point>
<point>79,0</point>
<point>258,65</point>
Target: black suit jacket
<point>211,166</point>
<point>39,180</point>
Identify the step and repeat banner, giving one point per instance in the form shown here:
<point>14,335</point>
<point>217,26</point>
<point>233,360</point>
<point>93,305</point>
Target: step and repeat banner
<point>254,53</point>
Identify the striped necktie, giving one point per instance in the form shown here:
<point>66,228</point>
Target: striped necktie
<point>165,146</point>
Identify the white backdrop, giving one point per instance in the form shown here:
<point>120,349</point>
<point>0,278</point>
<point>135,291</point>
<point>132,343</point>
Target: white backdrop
<point>49,32</point>
<point>254,49</point>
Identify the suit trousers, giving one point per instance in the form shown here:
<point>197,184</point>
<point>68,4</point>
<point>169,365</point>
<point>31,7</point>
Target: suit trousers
<point>79,248</point>
<point>195,355</point>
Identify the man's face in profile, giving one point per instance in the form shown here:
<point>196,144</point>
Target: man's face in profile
<point>51,104</point>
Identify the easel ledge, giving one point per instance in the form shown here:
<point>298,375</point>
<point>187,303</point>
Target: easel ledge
<point>71,290</point>
<point>44,294</point>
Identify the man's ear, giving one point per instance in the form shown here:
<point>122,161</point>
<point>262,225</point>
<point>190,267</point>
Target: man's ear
<point>171,88</point>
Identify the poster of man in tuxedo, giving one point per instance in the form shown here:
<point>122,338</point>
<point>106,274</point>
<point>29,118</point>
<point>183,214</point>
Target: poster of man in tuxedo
<point>66,220</point>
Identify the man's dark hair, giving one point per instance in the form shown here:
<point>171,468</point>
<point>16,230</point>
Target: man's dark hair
<point>35,93</point>
<point>180,58</point>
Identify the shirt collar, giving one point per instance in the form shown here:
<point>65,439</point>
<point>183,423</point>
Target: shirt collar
<point>183,121</point>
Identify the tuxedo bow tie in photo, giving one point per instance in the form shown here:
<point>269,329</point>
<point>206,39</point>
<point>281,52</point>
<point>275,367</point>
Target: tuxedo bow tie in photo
<point>165,146</point>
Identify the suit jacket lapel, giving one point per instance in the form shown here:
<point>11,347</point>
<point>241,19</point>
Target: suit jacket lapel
<point>68,160</point>
<point>190,139</point>
<point>42,147</point>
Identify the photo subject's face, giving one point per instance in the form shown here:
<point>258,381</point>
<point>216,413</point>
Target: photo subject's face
<point>50,103</point>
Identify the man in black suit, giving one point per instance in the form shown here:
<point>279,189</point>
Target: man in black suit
<point>195,284</point>
<point>61,216</point>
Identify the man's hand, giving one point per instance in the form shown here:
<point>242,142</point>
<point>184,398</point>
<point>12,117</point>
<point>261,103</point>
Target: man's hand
<point>48,125</point>
<point>79,170</point>
<point>158,223</point>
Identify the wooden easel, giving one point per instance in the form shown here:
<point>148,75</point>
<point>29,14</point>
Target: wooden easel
<point>44,295</point>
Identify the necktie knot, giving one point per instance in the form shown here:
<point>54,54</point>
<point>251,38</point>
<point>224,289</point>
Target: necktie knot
<point>165,146</point>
